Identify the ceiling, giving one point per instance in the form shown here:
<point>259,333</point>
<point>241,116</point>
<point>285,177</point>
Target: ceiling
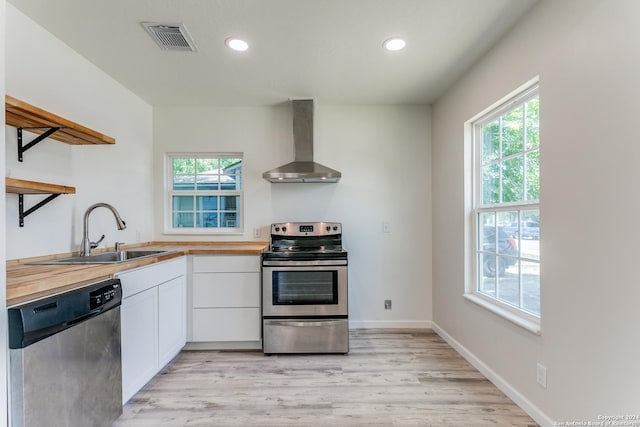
<point>329,50</point>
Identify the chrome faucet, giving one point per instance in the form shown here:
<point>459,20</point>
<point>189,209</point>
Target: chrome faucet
<point>87,245</point>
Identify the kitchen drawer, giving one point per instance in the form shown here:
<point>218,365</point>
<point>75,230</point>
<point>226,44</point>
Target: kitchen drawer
<point>306,336</point>
<point>226,263</point>
<point>140,279</point>
<point>226,324</point>
<point>226,290</point>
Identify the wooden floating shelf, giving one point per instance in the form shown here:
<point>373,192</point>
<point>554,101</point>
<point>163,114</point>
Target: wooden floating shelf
<point>20,186</point>
<point>22,115</point>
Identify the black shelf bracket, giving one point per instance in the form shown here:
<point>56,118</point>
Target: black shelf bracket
<point>24,214</point>
<point>22,148</point>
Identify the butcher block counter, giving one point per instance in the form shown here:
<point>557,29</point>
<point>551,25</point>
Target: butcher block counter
<point>28,282</point>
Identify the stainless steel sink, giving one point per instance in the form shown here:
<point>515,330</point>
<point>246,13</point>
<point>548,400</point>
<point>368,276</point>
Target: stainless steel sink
<point>102,258</point>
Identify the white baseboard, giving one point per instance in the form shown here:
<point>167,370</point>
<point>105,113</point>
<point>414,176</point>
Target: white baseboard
<point>224,345</point>
<point>389,324</point>
<point>513,394</point>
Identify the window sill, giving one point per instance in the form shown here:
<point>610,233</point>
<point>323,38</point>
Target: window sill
<point>532,326</point>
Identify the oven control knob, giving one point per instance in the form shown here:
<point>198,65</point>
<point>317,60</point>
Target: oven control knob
<point>277,228</point>
<point>335,227</point>
<point>284,229</point>
<point>328,228</point>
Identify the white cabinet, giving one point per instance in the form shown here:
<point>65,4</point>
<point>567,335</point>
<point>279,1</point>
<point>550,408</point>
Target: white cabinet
<point>225,301</point>
<point>139,341</point>
<point>226,324</point>
<point>226,290</point>
<point>172,319</point>
<point>153,321</point>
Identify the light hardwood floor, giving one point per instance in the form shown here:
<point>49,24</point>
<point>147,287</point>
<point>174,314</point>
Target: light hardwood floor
<point>389,378</point>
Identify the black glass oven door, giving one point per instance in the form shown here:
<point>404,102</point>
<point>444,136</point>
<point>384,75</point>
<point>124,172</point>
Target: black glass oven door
<point>309,287</point>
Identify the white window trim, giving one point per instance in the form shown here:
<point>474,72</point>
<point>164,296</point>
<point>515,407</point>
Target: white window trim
<point>168,192</point>
<point>519,317</point>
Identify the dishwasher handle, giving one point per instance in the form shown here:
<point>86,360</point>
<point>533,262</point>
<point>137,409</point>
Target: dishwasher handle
<point>92,313</point>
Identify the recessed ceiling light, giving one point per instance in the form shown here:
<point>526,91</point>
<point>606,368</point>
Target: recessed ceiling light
<point>394,44</point>
<point>236,44</point>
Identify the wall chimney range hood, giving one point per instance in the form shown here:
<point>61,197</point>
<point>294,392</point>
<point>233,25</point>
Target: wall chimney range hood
<point>303,168</point>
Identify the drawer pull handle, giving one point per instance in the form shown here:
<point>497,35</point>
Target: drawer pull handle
<point>303,323</point>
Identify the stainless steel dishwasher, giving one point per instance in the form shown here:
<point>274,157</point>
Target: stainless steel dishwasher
<point>65,366</point>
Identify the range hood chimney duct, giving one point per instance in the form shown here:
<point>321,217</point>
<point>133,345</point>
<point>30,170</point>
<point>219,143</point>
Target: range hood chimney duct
<point>303,168</point>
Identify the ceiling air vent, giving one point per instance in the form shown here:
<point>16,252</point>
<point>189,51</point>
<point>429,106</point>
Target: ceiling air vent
<point>170,36</point>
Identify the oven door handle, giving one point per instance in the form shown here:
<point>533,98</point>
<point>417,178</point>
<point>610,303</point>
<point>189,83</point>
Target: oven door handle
<point>305,323</point>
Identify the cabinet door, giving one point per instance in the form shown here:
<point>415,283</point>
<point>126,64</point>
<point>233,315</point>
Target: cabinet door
<point>139,341</point>
<point>172,328</point>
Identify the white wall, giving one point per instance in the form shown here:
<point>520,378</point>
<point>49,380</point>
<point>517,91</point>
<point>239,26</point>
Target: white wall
<point>384,156</point>
<point>45,72</point>
<point>3,255</point>
<point>586,54</point>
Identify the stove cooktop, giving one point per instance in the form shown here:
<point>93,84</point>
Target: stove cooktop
<point>306,241</point>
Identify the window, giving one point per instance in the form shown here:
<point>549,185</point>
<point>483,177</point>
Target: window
<point>205,192</point>
<point>506,206</point>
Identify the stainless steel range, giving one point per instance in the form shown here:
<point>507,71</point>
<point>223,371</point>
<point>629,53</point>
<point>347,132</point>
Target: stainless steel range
<point>304,289</point>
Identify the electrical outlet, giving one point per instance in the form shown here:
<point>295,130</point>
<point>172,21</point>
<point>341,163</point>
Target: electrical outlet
<point>387,304</point>
<point>541,375</point>
<point>386,227</point>
<point>256,232</point>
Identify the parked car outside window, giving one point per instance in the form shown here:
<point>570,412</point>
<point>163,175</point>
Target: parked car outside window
<point>527,230</point>
<point>492,264</point>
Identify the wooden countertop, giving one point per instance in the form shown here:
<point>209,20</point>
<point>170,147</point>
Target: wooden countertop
<point>28,282</point>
